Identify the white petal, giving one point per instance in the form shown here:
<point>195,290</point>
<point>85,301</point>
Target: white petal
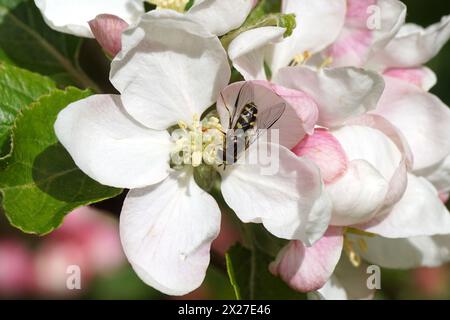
<point>440,178</point>
<point>421,117</point>
<point>247,51</point>
<point>371,145</point>
<point>319,22</point>
<point>358,194</point>
<point>166,232</point>
<point>72,16</point>
<point>340,93</point>
<point>347,283</point>
<point>219,16</point>
<point>419,213</point>
<point>413,46</point>
<point>408,252</point>
<point>376,141</point>
<point>282,191</point>
<point>109,146</point>
<point>169,69</point>
<point>398,182</point>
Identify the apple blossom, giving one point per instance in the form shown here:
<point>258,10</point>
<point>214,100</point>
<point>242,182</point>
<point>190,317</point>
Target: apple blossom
<point>168,222</point>
<point>72,16</point>
<point>365,160</point>
<point>252,49</point>
<point>399,225</point>
<point>16,268</point>
<point>358,194</point>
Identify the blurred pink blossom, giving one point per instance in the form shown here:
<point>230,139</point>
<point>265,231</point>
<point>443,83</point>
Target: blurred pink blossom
<point>16,271</point>
<point>88,239</point>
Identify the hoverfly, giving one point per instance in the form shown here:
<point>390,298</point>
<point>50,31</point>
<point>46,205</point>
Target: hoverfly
<point>246,123</point>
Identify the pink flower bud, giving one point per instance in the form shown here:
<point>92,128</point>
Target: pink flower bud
<point>108,29</point>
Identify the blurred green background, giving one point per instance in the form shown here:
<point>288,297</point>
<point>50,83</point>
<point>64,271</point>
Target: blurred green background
<point>425,13</point>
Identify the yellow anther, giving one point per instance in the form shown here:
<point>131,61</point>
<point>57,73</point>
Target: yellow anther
<point>349,245</point>
<point>177,5</point>
<point>300,58</point>
<point>327,62</point>
<point>352,255</point>
<point>183,125</point>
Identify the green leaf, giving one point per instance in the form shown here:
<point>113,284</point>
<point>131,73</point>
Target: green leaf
<point>18,88</point>
<point>31,44</point>
<point>251,279</point>
<point>41,183</point>
<point>217,284</point>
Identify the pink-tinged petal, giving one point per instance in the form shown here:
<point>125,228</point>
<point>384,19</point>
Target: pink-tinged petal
<point>413,46</point>
<point>304,106</point>
<point>167,231</point>
<point>340,93</point>
<point>347,283</point>
<point>307,269</point>
<point>357,14</point>
<point>290,125</point>
<point>326,152</point>
<point>420,212</point>
<point>107,29</point>
<point>421,117</point>
<point>351,48</point>
<point>359,39</point>
<point>358,195</point>
<point>422,77</point>
<point>16,268</point>
<point>398,181</point>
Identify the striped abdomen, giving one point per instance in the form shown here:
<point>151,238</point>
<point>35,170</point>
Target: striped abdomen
<point>247,118</point>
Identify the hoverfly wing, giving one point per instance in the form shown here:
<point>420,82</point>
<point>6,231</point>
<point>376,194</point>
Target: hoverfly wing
<point>270,116</point>
<point>245,96</point>
<point>265,121</point>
